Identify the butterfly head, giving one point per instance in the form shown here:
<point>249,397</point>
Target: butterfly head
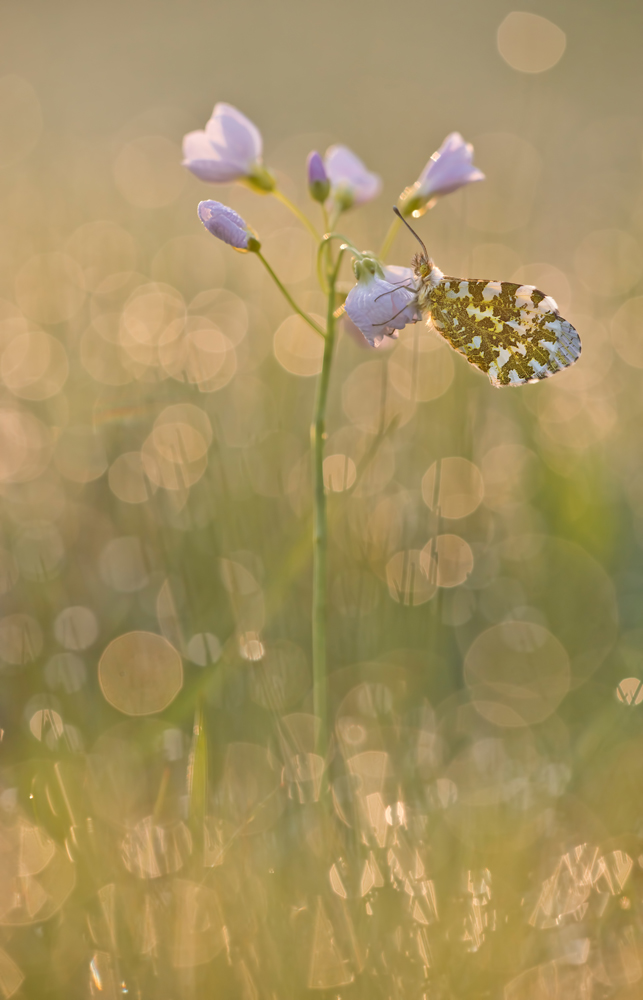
<point>426,271</point>
<point>423,267</point>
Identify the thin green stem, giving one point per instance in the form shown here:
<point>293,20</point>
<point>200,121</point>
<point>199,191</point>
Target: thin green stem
<point>390,236</point>
<point>320,525</point>
<point>290,205</point>
<point>334,218</point>
<point>289,299</point>
<point>324,249</point>
<point>340,236</point>
<point>321,274</point>
<point>198,779</point>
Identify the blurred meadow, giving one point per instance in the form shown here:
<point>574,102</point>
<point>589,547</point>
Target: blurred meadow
<point>167,829</point>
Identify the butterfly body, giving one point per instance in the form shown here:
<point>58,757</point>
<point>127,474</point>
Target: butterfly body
<point>513,333</point>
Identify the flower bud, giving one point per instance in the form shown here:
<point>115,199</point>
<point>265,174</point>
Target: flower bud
<point>367,266</point>
<point>224,223</point>
<point>318,182</point>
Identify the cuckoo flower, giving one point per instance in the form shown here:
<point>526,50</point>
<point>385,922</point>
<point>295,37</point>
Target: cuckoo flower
<point>450,168</point>
<point>229,149</point>
<point>318,182</point>
<point>351,184</point>
<point>383,301</point>
<point>224,223</point>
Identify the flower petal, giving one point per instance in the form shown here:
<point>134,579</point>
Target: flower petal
<point>201,159</point>
<point>196,146</point>
<point>228,149</point>
<point>349,177</point>
<point>234,136</point>
<point>450,168</point>
<point>380,307</point>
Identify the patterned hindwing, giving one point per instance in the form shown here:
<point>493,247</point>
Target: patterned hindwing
<point>513,333</point>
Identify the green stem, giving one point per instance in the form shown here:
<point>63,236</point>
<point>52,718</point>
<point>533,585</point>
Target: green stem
<point>321,275</point>
<point>289,299</point>
<point>334,218</point>
<point>290,205</point>
<point>340,236</point>
<point>320,526</point>
<point>324,248</point>
<point>390,236</point>
<point>198,780</point>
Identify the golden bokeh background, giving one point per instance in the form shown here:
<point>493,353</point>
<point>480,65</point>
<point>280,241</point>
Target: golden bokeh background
<point>167,828</point>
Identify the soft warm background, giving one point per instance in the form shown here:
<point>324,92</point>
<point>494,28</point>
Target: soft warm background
<point>484,835</point>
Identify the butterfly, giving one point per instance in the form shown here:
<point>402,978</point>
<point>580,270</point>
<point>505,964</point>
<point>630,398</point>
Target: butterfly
<point>513,333</point>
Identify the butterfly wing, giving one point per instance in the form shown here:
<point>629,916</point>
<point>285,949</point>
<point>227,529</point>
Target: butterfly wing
<point>513,333</point>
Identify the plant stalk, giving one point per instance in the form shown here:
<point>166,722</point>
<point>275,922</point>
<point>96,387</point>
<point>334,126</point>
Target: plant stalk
<point>290,205</point>
<point>320,527</point>
<point>288,297</point>
<point>389,238</point>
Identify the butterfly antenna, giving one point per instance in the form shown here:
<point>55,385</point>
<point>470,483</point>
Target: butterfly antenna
<point>400,216</point>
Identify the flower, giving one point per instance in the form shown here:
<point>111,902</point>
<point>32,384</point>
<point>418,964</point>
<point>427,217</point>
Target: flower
<point>351,184</point>
<point>224,223</point>
<point>450,168</point>
<point>383,301</point>
<point>318,182</point>
<point>228,150</point>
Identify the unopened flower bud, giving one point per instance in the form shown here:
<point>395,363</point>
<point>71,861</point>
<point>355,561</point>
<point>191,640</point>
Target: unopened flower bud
<point>318,182</point>
<point>367,266</point>
<point>224,223</point>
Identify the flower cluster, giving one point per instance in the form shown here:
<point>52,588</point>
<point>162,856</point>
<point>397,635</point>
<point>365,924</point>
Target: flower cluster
<point>384,300</point>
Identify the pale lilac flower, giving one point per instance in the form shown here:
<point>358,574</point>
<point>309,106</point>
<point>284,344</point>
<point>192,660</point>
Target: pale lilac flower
<point>351,184</point>
<point>318,182</point>
<point>383,301</point>
<point>229,149</point>
<point>450,168</point>
<point>224,223</point>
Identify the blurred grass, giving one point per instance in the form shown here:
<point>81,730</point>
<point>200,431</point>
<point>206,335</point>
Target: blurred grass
<point>477,830</point>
